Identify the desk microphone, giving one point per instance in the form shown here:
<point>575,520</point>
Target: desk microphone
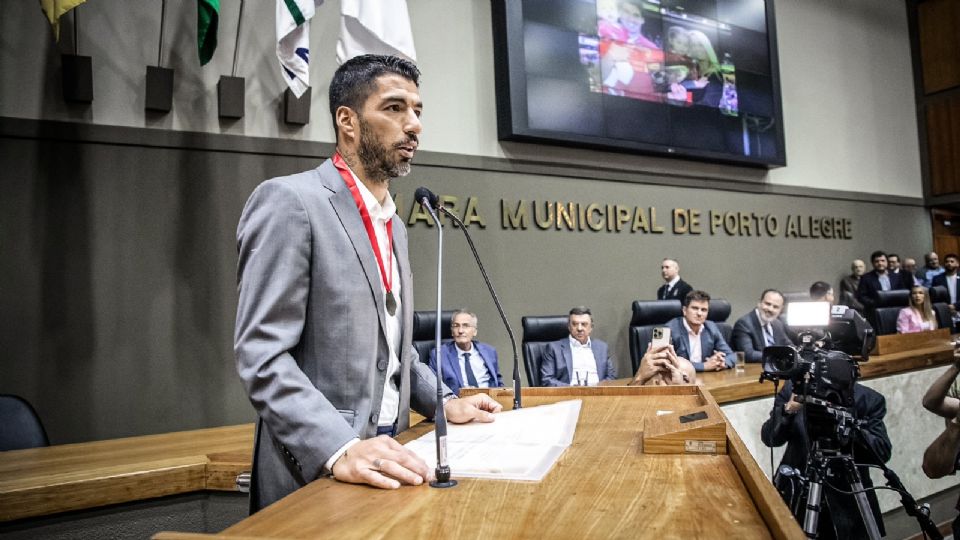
<point>428,200</point>
<point>425,194</point>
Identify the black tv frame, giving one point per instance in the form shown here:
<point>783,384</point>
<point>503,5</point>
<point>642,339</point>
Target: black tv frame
<point>511,95</point>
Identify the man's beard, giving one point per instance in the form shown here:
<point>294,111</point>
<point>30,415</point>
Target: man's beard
<point>375,157</point>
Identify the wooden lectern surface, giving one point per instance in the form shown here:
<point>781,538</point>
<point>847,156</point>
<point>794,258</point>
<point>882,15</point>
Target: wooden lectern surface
<point>603,486</point>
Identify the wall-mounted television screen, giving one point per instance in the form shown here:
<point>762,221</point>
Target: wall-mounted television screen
<point>696,79</point>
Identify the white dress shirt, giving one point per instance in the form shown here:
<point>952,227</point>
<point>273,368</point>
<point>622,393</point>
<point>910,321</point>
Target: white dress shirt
<point>584,364</point>
<point>476,365</point>
<point>696,350</point>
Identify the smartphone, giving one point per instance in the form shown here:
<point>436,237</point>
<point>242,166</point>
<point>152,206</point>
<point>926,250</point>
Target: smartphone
<point>661,337</point>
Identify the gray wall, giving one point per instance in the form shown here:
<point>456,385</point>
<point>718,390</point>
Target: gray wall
<point>117,281</point>
<point>118,293</point>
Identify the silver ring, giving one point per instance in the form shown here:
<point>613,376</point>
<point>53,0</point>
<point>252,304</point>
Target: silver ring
<point>376,464</point>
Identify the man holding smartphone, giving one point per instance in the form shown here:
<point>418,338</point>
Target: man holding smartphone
<point>698,340</point>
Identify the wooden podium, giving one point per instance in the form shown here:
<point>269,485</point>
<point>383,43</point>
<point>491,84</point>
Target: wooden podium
<point>603,486</point>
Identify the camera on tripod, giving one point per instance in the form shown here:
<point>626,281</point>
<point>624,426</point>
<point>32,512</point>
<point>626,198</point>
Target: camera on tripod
<point>821,366</point>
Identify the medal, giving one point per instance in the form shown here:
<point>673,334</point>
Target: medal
<point>386,274</point>
<point>391,304</point>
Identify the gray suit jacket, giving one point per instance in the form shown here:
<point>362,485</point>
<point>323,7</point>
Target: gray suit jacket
<point>310,341</point>
<point>556,368</point>
<point>748,336</point>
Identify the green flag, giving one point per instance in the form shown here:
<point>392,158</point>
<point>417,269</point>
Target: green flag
<point>208,15</point>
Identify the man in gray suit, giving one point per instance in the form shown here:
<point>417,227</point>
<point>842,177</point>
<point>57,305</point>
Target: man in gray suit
<point>577,359</point>
<point>325,314</point>
<point>761,327</point>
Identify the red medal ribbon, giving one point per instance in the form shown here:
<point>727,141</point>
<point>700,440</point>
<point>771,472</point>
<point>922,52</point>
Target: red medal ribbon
<point>386,277</point>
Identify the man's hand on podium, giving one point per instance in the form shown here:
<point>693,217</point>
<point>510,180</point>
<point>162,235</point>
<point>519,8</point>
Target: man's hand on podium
<point>479,407</point>
<point>380,462</point>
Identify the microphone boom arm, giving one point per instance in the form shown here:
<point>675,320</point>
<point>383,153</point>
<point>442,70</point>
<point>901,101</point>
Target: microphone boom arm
<point>496,300</point>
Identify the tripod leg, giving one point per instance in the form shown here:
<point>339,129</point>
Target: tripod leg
<point>853,480</point>
<point>812,515</point>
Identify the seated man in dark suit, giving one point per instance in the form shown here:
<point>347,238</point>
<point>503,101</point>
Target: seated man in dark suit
<point>697,339</point>
<point>577,359</point>
<point>674,288</point>
<point>467,362</point>
<point>840,516</point>
<point>879,279</point>
<point>761,327</point>
<point>948,279</point>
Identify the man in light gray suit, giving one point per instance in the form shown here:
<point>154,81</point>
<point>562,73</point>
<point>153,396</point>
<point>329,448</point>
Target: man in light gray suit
<point>577,359</point>
<point>325,314</point>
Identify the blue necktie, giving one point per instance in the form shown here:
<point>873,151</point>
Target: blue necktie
<point>471,378</point>
<point>768,334</point>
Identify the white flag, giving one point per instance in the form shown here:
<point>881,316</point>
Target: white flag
<point>293,41</point>
<point>374,27</point>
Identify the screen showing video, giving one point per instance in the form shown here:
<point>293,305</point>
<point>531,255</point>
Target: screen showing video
<point>693,78</point>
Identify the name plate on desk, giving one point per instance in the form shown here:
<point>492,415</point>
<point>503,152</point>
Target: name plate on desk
<point>700,447</point>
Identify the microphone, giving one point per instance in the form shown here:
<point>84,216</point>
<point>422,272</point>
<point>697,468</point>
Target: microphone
<point>424,196</point>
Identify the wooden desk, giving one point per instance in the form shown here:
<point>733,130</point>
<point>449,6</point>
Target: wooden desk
<point>43,481</point>
<point>603,486</point>
<point>728,386</point>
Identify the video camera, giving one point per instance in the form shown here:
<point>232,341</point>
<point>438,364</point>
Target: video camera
<point>821,366</point>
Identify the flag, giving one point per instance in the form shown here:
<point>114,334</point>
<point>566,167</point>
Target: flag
<point>208,18</point>
<point>293,41</point>
<point>374,27</point>
<point>54,9</point>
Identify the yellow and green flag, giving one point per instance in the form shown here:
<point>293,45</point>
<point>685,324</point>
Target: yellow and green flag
<point>54,9</point>
<point>208,17</point>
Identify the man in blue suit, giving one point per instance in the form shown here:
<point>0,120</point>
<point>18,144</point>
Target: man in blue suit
<point>467,362</point>
<point>577,359</point>
<point>697,339</point>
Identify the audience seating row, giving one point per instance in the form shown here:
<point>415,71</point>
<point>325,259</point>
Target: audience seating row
<point>539,330</point>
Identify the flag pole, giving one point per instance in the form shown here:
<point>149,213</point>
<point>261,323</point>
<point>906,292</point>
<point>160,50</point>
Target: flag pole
<point>236,44</point>
<point>163,12</point>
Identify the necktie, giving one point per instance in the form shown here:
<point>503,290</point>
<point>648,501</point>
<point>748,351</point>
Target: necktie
<point>768,334</point>
<point>471,378</point>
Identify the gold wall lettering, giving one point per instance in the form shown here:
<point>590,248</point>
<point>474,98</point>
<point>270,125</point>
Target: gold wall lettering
<point>573,216</point>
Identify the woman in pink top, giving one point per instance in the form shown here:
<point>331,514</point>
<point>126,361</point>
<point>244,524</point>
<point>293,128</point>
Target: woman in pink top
<point>918,316</point>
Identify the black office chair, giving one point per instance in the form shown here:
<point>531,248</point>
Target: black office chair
<point>886,318</point>
<point>944,317</point>
<point>802,296</point>
<point>538,331</point>
<point>939,294</point>
<point>893,298</point>
<point>719,313</point>
<point>424,331</point>
<point>21,425</point>
<point>648,314</point>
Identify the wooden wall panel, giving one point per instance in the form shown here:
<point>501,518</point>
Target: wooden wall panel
<point>943,144</point>
<point>938,22</point>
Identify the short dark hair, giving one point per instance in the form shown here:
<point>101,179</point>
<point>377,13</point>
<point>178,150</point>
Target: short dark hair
<point>580,310</point>
<point>951,256</point>
<point>767,291</point>
<point>819,290</point>
<point>354,79</point>
<point>877,254</point>
<point>892,255</point>
<point>695,296</point>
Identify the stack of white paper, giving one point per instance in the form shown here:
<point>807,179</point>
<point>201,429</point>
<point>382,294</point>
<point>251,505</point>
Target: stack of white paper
<point>520,445</point>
